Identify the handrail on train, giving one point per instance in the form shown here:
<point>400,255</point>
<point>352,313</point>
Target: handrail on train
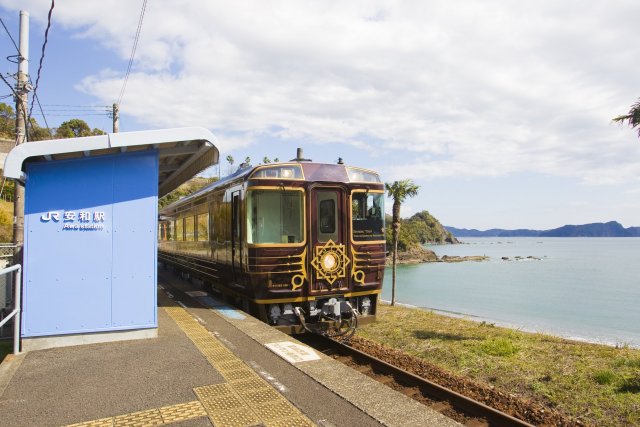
<point>16,304</point>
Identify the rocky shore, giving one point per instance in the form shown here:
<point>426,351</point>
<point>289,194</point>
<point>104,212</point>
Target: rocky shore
<point>418,254</point>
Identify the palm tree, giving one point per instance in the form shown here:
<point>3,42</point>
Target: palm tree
<point>230,160</point>
<point>398,191</point>
<point>632,118</point>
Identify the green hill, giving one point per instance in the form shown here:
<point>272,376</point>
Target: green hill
<point>189,187</point>
<point>418,230</point>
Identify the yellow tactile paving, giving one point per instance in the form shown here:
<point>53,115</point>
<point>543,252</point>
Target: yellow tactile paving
<point>103,422</point>
<point>291,422</point>
<point>246,399</point>
<point>232,365</point>
<point>234,418</point>
<point>183,411</point>
<point>148,418</point>
<point>152,417</point>
<point>275,410</point>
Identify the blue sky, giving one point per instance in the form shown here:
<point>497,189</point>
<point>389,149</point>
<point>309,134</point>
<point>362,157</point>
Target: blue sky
<point>501,111</point>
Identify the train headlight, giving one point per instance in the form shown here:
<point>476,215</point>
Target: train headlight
<point>329,261</point>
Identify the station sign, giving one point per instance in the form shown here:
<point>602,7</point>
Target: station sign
<point>76,220</point>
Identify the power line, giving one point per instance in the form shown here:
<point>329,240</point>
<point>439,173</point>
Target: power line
<point>49,110</point>
<point>9,34</point>
<point>79,106</point>
<point>43,116</point>
<point>8,84</point>
<point>74,109</point>
<point>44,45</point>
<point>24,112</point>
<point>76,115</point>
<point>133,51</point>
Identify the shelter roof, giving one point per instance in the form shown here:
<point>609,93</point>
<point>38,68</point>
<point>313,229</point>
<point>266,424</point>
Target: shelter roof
<point>184,152</point>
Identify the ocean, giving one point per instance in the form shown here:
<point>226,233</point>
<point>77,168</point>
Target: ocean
<point>580,288</point>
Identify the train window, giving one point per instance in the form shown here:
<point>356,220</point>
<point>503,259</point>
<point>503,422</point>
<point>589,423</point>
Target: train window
<point>180,229</point>
<point>280,172</point>
<point>203,226</point>
<point>327,202</point>
<point>367,214</point>
<point>169,231</point>
<point>274,217</point>
<point>189,228</point>
<point>362,175</point>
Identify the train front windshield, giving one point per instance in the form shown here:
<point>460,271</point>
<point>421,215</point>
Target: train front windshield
<point>275,217</point>
<point>367,213</point>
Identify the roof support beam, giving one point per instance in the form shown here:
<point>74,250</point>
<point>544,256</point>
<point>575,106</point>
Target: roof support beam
<point>177,151</point>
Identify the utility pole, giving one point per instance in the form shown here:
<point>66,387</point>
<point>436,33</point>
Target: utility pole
<point>116,118</point>
<point>21,131</point>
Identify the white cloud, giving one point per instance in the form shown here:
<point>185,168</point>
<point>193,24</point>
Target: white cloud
<point>458,89</point>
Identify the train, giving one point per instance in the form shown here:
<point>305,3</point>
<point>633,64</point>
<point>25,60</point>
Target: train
<point>299,244</point>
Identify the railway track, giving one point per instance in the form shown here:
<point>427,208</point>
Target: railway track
<point>467,411</point>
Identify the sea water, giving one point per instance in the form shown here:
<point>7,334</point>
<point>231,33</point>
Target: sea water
<point>579,288</point>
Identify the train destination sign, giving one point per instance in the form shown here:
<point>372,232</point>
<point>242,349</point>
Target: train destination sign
<point>76,220</point>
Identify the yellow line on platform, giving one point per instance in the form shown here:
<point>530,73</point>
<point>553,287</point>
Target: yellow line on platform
<point>151,417</point>
<point>244,400</point>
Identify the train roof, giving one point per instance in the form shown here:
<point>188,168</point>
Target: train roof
<point>310,171</point>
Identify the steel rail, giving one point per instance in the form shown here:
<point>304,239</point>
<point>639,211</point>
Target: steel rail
<point>459,402</point>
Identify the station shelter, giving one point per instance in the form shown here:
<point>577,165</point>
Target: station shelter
<point>90,233</point>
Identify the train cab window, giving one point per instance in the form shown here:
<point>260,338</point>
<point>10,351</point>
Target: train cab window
<point>274,217</point>
<point>327,202</point>
<point>367,214</point>
<point>189,228</point>
<point>202,221</point>
<point>180,229</point>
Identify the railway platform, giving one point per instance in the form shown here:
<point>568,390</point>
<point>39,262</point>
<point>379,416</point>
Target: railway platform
<point>209,365</point>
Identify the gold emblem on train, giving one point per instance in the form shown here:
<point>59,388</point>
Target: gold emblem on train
<point>298,280</point>
<point>330,262</point>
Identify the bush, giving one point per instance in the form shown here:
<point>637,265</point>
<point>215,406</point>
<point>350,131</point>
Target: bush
<point>604,377</point>
<point>501,347</point>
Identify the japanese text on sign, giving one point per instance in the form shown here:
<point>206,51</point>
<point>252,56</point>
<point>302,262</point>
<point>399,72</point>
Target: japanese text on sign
<point>81,220</point>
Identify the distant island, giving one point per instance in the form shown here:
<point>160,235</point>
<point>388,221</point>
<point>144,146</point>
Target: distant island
<point>598,229</point>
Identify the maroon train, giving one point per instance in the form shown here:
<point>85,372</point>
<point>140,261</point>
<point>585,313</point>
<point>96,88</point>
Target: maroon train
<point>299,245</point>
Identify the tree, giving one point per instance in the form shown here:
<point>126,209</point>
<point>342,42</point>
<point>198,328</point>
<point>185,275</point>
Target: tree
<point>398,191</point>
<point>75,128</point>
<point>37,133</point>
<point>632,118</point>
<point>266,160</point>
<point>7,121</point>
<point>230,160</point>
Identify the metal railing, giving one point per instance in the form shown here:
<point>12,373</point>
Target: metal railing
<point>16,304</point>
<point>6,254</point>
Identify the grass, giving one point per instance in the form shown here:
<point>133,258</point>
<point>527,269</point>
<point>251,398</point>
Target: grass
<point>595,383</point>
<point>6,221</point>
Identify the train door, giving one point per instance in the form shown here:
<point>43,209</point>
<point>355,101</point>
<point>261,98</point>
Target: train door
<point>236,237</point>
<point>328,254</point>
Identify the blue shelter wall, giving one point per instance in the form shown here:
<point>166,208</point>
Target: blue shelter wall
<point>90,244</point>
